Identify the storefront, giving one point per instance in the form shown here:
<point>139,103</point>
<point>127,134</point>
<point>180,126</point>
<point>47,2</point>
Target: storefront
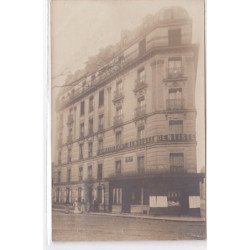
<point>165,194</point>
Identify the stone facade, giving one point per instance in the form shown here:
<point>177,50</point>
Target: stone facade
<point>131,123</point>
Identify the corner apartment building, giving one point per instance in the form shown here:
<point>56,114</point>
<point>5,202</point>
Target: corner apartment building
<point>127,130</point>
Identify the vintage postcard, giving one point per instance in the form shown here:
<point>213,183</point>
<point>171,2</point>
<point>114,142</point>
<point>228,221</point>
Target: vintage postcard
<point>128,120</point>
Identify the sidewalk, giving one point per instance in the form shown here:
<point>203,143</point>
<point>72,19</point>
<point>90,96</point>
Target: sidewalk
<point>142,216</point>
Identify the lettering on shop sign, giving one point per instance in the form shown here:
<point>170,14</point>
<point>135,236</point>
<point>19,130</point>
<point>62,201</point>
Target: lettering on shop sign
<point>129,159</point>
<point>169,138</point>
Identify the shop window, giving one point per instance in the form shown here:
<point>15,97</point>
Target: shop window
<point>79,194</point>
<point>117,196</point>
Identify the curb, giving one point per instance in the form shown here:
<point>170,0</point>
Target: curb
<point>175,219</point>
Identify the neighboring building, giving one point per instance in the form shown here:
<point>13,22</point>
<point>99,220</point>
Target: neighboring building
<point>126,130</point>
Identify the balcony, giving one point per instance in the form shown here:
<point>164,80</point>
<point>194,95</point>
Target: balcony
<point>118,120</point>
<point>139,85</point>
<point>70,119</point>
<point>118,94</point>
<point>140,111</point>
<point>69,139</point>
<point>175,104</point>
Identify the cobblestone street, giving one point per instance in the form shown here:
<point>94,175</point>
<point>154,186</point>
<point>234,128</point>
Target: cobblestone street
<point>87,227</point>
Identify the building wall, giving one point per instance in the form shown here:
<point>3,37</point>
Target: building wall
<point>156,120</point>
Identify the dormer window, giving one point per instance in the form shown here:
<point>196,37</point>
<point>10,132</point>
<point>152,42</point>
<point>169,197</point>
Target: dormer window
<point>174,37</point>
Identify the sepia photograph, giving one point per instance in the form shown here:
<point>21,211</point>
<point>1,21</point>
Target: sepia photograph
<point>128,140</point>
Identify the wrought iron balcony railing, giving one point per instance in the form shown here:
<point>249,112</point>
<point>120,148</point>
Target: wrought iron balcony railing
<point>140,84</point>
<point>175,104</point>
<point>118,94</point>
<point>140,111</point>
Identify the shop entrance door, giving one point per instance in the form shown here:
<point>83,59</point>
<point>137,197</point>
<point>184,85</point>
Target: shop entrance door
<point>126,199</point>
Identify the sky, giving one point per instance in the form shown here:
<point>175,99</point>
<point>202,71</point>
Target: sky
<point>80,28</point>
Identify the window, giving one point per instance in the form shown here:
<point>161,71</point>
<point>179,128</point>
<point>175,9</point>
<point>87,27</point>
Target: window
<point>174,196</point>
<point>79,194</point>
<point>141,75</point>
<point>175,93</point>
<point>117,196</point>
<point>68,175</point>
<point>136,196</point>
<point>82,108</point>
<point>80,151</point>
<point>90,171</point>
<point>100,144</point>
<point>142,47</point>
<point>90,152</point>
<point>99,172</point>
<point>101,98</point>
<point>81,130</point>
<point>80,174</point>
<point>101,122</point>
<point>119,111</point>
<point>70,136</point>
<point>176,126</point>
<point>68,195</point>
<point>59,157</point>
<point>58,176</point>
<point>141,101</point>
<point>91,104</point>
<point>119,86</point>
<point>174,37</point>
<point>92,79</point>
<point>140,164</point>
<point>176,162</point>
<point>175,66</point>
<point>118,137</point>
<point>69,155</point>
<point>140,132</point>
<point>91,126</point>
<point>58,195</point>
<point>118,167</point>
